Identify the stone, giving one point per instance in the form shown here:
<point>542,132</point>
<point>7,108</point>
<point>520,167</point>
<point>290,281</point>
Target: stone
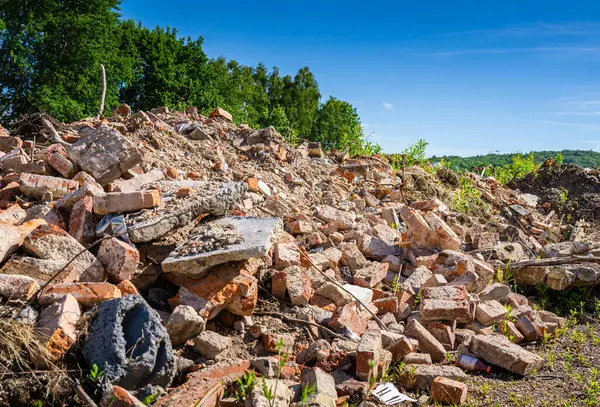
<point>394,263</point>
<point>386,234</point>
<point>490,312</point>
<point>444,334</point>
<point>348,317</point>
<point>35,186</point>
<point>298,286</point>
<point>532,275</point>
<point>86,294</point>
<point>119,259</point>
<point>563,249</point>
<point>417,359</point>
<point>324,393</point>
<point>371,275</point>
<point>343,220</point>
<point>12,237</point>
<point>334,293</point>
<point>229,286</point>
<point>49,242</point>
<point>8,143</point>
<point>116,202</point>
<point>127,288</point>
<point>183,324</point>
<point>211,344</point>
<point>547,316</point>
<point>13,215</point>
<point>257,240</point>
<point>221,114</point>
<point>417,280</point>
<point>442,233</point>
<point>352,257</point>
<point>367,355</point>
<point>560,278</point>
<point>17,287</point>
<point>499,351</point>
<point>445,310</point>
<point>57,328</point>
<point>427,342</point>
<point>104,153</point>
<point>127,341</point>
<point>402,347</point>
<point>271,342</point>
<point>334,256</point>
<point>422,376</point>
<point>81,222</point>
<point>376,249</point>
<point>448,391</point>
<point>320,261</point>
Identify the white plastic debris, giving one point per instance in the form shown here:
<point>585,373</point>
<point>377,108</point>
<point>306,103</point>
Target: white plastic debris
<point>390,395</point>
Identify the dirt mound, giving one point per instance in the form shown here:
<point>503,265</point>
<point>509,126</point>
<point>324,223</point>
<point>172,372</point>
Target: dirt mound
<point>571,190</point>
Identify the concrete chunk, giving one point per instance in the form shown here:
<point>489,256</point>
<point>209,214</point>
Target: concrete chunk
<point>35,186</point>
<point>448,391</point>
<point>17,287</point>
<point>104,153</point>
<point>427,342</point>
<point>490,312</point>
<point>120,259</point>
<point>257,239</point>
<point>421,376</point>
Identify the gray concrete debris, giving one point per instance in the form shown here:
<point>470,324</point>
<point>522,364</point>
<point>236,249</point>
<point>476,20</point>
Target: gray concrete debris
<point>104,153</point>
<point>128,342</point>
<point>183,324</point>
<point>257,240</point>
<point>214,199</point>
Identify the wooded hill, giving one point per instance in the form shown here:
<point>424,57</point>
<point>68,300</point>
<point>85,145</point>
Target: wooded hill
<point>583,158</point>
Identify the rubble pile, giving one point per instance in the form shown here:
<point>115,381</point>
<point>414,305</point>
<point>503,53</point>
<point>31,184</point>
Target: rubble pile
<point>196,251</point>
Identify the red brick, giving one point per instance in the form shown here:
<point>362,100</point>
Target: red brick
<point>86,294</point>
<point>349,317</point>
<point>61,164</point>
<point>116,202</point>
<point>13,215</point>
<point>367,354</point>
<point>8,143</point>
<point>119,397</point>
<point>37,185</point>
<point>221,113</point>
<point>286,255</point>
<point>371,275</point>
<point>120,259</point>
<point>298,227</point>
<point>448,391</point>
<point>81,222</point>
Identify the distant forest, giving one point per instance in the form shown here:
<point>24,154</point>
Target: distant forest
<point>583,158</point>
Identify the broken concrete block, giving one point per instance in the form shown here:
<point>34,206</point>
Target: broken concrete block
<point>183,324</point>
<point>256,240</point>
<point>334,293</point>
<point>421,376</point>
<point>444,334</point>
<point>371,275</point>
<point>12,237</point>
<point>348,317</point>
<point>57,327</point>
<point>448,391</point>
<point>367,355</point>
<point>104,153</point>
<point>228,286</point>
<point>86,294</point>
<point>376,249</point>
<point>210,344</point>
<point>127,341</point>
<point>17,287</point>
<point>334,256</point>
<point>490,312</point>
<point>499,351</point>
<point>427,342</point>
<point>120,260</point>
<point>445,310</point>
<point>35,186</point>
<point>298,286</point>
<point>116,202</point>
<point>324,393</point>
<point>343,220</point>
<point>49,242</point>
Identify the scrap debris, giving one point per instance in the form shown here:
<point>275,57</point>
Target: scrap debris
<point>198,254</point>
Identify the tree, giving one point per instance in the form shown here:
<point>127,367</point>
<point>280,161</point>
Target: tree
<point>338,126</point>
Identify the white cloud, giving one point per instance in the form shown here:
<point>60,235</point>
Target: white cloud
<point>387,105</point>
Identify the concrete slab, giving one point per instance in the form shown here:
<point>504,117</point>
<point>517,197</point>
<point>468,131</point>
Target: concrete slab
<point>256,240</point>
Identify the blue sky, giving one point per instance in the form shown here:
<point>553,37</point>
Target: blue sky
<point>470,77</point>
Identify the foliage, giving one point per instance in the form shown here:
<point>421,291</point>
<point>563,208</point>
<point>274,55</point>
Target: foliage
<point>50,56</point>
<point>415,154</point>
<point>583,158</point>
<point>467,199</point>
<point>307,391</point>
<point>95,374</point>
<point>246,384</point>
<point>520,166</point>
<point>150,399</point>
